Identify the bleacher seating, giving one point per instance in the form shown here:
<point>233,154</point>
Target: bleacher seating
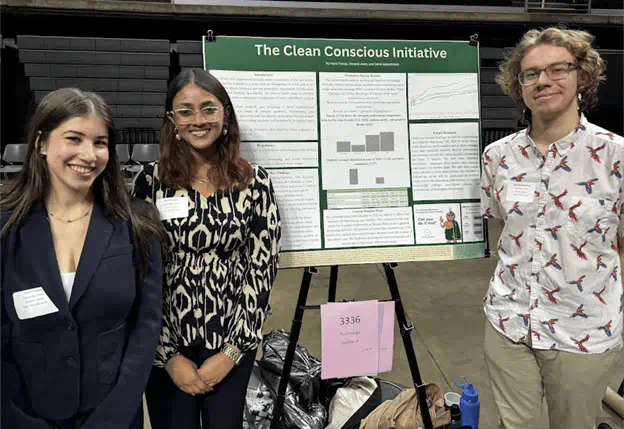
<point>499,113</point>
<point>130,74</point>
<point>190,54</point>
<point>490,135</point>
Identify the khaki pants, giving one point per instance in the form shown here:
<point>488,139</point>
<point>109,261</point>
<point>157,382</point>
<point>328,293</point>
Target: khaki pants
<point>573,384</point>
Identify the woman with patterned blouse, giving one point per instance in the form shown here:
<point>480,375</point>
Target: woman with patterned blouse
<point>554,305</point>
<point>223,229</point>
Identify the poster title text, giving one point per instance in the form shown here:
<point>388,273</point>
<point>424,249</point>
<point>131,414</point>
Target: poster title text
<point>363,52</point>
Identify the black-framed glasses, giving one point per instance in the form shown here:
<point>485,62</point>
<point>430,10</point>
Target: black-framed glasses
<point>186,114</point>
<point>556,71</point>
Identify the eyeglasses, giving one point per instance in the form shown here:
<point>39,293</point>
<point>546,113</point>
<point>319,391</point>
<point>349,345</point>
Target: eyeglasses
<point>185,114</point>
<point>557,71</point>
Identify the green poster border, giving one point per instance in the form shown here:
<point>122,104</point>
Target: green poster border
<point>223,59</point>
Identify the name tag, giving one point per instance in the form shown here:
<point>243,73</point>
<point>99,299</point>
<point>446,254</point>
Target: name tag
<point>33,303</point>
<point>523,192</point>
<point>171,208</point>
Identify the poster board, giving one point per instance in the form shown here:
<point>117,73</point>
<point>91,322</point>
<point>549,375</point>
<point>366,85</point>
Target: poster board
<point>370,144</point>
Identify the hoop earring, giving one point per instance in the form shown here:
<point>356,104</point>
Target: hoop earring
<point>177,135</point>
<point>579,96</point>
<point>38,144</point>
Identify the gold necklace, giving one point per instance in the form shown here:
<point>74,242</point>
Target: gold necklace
<point>70,220</point>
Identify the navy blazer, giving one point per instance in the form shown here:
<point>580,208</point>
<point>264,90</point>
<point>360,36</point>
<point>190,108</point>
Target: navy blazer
<point>96,352</point>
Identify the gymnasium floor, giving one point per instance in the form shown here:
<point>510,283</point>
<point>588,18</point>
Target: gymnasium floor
<point>443,300</point>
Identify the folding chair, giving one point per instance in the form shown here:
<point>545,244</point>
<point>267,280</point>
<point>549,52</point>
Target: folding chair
<point>123,155</point>
<point>143,153</point>
<point>14,155</point>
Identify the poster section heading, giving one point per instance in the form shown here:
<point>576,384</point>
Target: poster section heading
<point>362,160</point>
<point>281,54</point>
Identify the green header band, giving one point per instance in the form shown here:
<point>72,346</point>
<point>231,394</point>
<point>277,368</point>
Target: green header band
<point>322,55</point>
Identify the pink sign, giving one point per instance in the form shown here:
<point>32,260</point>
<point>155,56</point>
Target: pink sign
<point>349,339</point>
<point>386,335</point>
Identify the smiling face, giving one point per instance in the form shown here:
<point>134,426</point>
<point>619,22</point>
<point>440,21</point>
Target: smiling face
<point>199,117</point>
<point>76,153</point>
<point>548,99</point>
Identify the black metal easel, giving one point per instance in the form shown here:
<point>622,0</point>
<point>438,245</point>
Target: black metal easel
<point>278,408</point>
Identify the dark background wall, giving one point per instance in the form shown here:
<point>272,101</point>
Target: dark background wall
<point>18,99</point>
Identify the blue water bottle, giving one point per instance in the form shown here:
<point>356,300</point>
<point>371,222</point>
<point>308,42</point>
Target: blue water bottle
<point>469,403</point>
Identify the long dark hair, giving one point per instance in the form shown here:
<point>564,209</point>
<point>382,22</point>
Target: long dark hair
<point>228,170</point>
<point>109,187</point>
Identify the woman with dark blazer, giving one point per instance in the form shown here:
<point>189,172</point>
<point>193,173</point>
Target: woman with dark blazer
<point>81,277</point>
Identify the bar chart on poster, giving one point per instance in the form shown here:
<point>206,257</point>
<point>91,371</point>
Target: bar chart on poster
<point>373,146</point>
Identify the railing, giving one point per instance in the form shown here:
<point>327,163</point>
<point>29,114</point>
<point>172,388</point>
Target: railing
<point>563,6</point>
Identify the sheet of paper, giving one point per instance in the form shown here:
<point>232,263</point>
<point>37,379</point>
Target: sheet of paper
<point>364,141</point>
<point>349,339</point>
<point>297,193</point>
<point>273,105</point>
<point>386,335</point>
<point>520,191</point>
<point>445,161</point>
<point>368,227</point>
<point>173,208</point>
<point>32,303</point>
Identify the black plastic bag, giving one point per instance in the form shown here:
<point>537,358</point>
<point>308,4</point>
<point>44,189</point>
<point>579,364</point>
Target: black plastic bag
<point>258,411</point>
<point>260,401</point>
<point>305,374</point>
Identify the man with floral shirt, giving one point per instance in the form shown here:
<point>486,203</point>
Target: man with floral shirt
<point>554,304</point>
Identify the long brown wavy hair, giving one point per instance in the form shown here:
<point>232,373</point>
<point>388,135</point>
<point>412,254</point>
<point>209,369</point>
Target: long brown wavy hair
<point>228,170</point>
<point>109,187</point>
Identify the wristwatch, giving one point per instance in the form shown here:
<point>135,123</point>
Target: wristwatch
<point>230,352</point>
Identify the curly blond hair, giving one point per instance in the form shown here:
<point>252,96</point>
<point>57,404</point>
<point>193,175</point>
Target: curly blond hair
<point>590,65</point>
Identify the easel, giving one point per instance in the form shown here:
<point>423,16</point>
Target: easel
<point>295,330</point>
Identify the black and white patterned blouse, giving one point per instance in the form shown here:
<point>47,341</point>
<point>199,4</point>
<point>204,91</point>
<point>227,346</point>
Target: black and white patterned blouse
<point>221,263</point>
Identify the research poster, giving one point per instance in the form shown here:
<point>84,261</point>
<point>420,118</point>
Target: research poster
<point>373,146</point>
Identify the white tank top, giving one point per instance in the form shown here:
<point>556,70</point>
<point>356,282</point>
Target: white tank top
<point>68,283</point>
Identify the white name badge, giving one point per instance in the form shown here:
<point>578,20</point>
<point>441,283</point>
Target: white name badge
<point>33,303</point>
<point>520,191</point>
<point>171,208</point>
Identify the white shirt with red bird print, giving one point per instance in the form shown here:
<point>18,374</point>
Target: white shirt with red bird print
<point>559,269</point>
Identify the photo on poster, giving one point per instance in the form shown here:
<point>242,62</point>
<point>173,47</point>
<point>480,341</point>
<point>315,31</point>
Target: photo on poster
<point>443,96</point>
<point>472,222</point>
<point>438,223</point>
